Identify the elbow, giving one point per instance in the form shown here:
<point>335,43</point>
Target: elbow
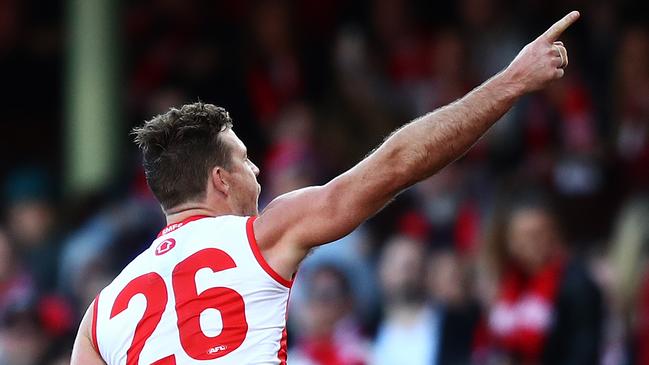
<point>341,206</point>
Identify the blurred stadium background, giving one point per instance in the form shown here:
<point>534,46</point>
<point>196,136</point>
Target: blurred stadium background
<point>313,86</point>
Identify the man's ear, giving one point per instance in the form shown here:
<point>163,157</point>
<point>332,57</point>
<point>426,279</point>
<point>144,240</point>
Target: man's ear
<point>219,180</point>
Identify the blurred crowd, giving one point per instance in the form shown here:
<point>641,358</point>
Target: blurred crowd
<point>530,249</point>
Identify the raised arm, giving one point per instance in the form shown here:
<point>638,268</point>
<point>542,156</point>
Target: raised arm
<point>295,222</point>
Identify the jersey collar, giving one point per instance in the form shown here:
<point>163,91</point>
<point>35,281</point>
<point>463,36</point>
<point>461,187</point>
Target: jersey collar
<point>174,226</point>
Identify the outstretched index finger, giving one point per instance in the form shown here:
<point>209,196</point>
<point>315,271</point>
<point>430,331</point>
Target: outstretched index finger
<point>553,33</point>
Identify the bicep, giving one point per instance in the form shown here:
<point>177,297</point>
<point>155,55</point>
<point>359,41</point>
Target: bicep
<point>320,214</point>
<point>297,221</point>
<point>83,352</point>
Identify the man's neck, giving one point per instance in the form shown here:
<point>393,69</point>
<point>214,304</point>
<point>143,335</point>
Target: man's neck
<point>179,214</point>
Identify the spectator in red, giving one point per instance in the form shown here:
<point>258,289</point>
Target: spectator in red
<point>274,76</point>
<point>546,310</point>
<point>632,105</point>
<point>330,333</point>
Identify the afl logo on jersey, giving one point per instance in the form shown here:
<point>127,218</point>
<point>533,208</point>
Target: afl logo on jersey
<point>165,246</point>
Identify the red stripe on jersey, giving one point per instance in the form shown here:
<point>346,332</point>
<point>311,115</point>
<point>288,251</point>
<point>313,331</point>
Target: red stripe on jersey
<point>95,309</point>
<point>260,258</point>
<point>174,226</point>
<point>282,354</point>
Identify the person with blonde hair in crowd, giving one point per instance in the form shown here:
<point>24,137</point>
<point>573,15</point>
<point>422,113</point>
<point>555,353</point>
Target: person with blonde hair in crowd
<point>546,309</point>
<point>629,287</point>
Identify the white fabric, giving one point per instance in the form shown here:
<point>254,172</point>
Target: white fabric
<point>265,298</point>
<point>413,343</point>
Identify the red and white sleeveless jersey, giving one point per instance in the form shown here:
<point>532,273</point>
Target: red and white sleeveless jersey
<point>201,294</point>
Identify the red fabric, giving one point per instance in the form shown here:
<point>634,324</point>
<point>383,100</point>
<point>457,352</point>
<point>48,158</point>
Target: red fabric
<point>345,345</point>
<point>538,134</point>
<point>414,225</point>
<point>409,59</point>
<point>95,310</point>
<point>282,354</point>
<point>467,228</point>
<point>323,351</point>
<point>273,86</point>
<point>56,315</point>
<point>578,123</point>
<point>520,298</point>
<point>327,350</point>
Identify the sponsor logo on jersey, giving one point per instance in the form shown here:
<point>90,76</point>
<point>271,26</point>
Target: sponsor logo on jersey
<point>172,227</point>
<point>165,246</point>
<point>216,349</point>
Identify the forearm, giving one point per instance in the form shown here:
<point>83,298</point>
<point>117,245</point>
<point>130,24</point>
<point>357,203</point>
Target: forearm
<point>424,146</point>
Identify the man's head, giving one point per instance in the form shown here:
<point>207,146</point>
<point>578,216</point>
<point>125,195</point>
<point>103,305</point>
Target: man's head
<point>329,299</point>
<point>401,268</point>
<point>532,235</point>
<point>193,158</point>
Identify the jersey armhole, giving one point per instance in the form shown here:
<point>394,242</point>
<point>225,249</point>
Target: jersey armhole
<point>95,310</point>
<point>250,232</point>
